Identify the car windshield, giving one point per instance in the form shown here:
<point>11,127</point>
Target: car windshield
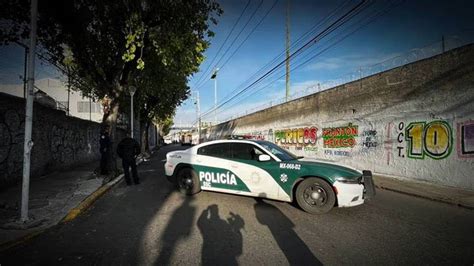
<point>281,153</point>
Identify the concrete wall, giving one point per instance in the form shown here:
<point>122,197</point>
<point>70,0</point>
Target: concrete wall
<point>415,122</point>
<point>59,141</point>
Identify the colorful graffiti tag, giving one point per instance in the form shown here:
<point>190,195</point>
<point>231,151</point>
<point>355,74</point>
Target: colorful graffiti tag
<point>466,139</point>
<point>434,139</point>
<point>420,139</point>
<point>340,137</point>
<point>301,136</point>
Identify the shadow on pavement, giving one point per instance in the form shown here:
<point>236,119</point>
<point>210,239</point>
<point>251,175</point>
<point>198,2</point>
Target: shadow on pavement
<point>295,250</point>
<point>179,227</point>
<point>109,233</point>
<point>222,239</point>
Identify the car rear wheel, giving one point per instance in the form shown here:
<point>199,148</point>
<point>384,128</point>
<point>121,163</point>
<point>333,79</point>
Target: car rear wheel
<point>315,196</point>
<point>188,181</point>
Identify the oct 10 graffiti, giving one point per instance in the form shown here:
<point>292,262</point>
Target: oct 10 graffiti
<point>421,139</point>
<point>302,136</point>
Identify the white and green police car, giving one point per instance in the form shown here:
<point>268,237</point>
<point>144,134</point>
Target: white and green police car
<point>263,169</point>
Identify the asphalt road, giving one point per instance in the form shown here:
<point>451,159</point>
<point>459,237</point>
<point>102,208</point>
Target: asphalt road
<point>152,223</point>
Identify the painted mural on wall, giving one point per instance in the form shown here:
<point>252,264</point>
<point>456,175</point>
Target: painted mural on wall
<point>297,136</point>
<point>417,140</point>
<point>465,139</point>
<point>340,137</point>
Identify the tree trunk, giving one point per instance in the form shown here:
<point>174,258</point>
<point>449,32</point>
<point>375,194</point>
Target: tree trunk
<point>144,139</point>
<point>110,120</point>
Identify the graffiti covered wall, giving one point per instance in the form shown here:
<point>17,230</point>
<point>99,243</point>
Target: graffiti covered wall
<point>59,141</point>
<point>412,122</point>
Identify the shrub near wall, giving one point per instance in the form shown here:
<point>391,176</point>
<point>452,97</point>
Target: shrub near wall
<point>414,122</point>
<point>59,141</point>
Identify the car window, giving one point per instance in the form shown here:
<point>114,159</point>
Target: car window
<point>282,154</point>
<point>221,150</point>
<point>245,151</point>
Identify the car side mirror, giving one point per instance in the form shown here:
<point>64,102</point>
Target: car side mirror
<point>264,158</point>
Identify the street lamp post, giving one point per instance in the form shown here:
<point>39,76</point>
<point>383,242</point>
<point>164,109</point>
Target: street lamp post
<point>198,106</point>
<point>132,92</point>
<point>214,77</point>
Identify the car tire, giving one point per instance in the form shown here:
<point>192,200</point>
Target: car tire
<point>188,181</point>
<point>315,196</point>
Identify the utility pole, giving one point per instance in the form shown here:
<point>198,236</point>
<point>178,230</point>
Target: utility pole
<point>198,112</point>
<point>132,91</point>
<point>287,49</point>
<point>25,189</point>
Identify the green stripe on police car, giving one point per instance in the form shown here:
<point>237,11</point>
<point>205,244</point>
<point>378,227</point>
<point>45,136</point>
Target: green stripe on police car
<point>213,177</point>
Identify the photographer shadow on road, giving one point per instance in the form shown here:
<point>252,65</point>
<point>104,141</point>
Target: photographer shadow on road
<point>294,248</point>
<point>222,239</point>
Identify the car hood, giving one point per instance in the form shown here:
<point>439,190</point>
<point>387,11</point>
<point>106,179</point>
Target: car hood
<point>330,169</point>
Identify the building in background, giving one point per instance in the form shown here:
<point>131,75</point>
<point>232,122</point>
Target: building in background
<point>46,89</point>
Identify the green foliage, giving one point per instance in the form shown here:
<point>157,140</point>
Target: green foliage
<point>108,45</point>
<point>165,125</point>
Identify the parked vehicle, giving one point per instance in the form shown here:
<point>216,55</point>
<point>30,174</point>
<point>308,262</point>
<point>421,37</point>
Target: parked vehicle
<point>263,169</point>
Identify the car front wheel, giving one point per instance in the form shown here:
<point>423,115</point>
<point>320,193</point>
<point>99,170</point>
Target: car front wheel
<point>315,196</point>
<point>188,181</point>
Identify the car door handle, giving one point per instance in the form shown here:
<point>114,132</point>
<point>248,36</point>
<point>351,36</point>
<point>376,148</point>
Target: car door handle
<point>198,161</point>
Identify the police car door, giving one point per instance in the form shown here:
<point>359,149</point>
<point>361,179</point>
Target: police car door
<point>257,175</point>
<point>213,167</point>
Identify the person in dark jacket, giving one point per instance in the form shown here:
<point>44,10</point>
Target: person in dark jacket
<point>128,149</point>
<point>104,150</point>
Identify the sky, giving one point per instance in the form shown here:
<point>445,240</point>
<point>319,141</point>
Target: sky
<point>383,35</point>
<point>392,32</point>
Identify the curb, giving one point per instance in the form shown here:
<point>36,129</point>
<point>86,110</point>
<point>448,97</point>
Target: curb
<point>72,214</point>
<point>446,201</point>
<point>85,204</point>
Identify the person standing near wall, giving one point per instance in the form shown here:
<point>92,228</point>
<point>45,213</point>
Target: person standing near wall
<point>104,150</point>
<point>128,149</point>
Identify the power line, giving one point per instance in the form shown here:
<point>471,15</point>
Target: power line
<point>368,21</point>
<point>252,31</point>
<point>235,38</point>
<point>336,24</point>
<point>299,41</point>
<point>223,44</point>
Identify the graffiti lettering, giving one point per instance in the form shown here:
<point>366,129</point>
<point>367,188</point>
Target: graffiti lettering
<point>369,138</point>
<point>433,139</point>
<point>301,136</point>
<point>466,139</point>
<point>340,137</point>
<point>400,139</point>
<point>337,153</point>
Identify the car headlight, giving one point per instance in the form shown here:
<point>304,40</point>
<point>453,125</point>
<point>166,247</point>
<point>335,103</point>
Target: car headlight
<point>346,180</point>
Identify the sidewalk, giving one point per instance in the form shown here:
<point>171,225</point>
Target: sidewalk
<point>450,195</point>
<point>51,199</point>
